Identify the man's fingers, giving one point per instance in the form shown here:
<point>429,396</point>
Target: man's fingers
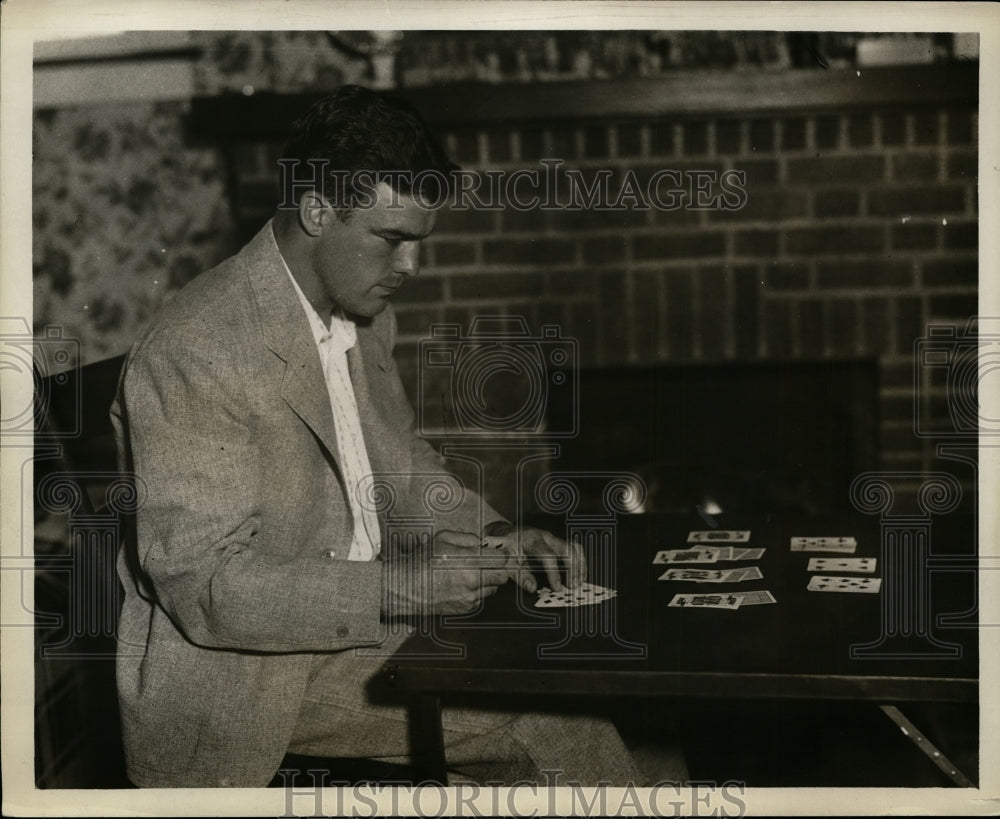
<point>470,557</point>
<point>571,556</point>
<point>493,559</point>
<point>513,555</point>
<point>576,570</point>
<point>551,566</point>
<point>495,578</point>
<point>525,580</point>
<point>463,540</point>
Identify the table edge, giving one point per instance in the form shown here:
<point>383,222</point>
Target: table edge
<point>739,685</point>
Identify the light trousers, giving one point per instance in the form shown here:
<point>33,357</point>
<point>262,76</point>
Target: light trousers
<point>349,711</point>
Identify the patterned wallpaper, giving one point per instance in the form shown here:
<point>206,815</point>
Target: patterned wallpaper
<point>125,211</point>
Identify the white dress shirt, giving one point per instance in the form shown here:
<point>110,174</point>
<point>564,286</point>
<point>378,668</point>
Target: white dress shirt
<point>333,344</point>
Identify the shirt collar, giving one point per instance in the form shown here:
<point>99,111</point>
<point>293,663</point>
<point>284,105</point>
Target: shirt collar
<point>342,333</point>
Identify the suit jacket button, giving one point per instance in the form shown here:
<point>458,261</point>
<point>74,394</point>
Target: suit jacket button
<point>343,631</point>
<point>329,553</point>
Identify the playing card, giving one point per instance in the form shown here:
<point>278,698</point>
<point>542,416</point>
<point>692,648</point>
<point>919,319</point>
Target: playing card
<point>719,536</point>
<point>841,564</point>
<point>696,575</point>
<point>704,601</point>
<point>745,573</point>
<point>589,593</point>
<point>713,575</point>
<point>585,595</point>
<point>686,556</point>
<point>845,545</point>
<point>748,554</point>
<point>552,599</point>
<point>832,583</point>
<point>754,598</point>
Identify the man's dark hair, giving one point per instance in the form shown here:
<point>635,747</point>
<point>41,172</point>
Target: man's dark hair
<point>360,137</point>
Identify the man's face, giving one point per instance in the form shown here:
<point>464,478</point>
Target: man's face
<point>361,261</point>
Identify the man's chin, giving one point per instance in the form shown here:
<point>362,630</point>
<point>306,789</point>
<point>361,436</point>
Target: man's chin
<point>369,309</point>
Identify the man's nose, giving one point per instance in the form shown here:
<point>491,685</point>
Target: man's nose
<point>408,259</point>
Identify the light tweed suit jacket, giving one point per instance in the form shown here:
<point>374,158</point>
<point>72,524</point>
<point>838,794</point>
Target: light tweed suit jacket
<point>230,591</point>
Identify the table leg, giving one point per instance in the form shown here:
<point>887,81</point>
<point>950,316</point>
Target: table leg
<point>430,734</point>
<point>925,745</point>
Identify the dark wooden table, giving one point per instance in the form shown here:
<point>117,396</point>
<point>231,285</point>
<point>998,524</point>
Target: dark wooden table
<point>915,641</point>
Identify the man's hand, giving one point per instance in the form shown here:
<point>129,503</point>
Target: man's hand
<point>551,551</point>
<point>452,577</point>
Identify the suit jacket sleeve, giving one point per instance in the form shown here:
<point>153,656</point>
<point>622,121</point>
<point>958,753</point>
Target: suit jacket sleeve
<point>223,574</point>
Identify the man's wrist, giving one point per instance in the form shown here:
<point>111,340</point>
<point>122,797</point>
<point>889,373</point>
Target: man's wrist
<point>498,528</point>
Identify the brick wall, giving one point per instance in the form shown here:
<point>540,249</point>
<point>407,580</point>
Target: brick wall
<point>859,229</point>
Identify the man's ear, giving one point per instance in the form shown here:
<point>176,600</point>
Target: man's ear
<point>313,213</point>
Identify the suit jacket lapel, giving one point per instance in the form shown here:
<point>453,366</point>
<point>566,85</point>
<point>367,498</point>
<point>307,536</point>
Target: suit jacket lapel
<point>286,332</point>
<point>366,357</point>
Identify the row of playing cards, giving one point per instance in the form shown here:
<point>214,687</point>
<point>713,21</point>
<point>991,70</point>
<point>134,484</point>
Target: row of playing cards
<point>837,583</point>
<point>841,545</point>
<point>728,600</point>
<point>865,565</point>
<point>707,554</point>
<point>719,536</point>
<point>713,575</point>
<point>586,594</point>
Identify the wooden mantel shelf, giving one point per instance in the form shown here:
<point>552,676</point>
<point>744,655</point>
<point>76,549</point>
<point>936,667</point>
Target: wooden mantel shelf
<point>689,93</point>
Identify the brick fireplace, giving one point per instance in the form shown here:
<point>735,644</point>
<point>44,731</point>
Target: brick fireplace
<point>859,227</point>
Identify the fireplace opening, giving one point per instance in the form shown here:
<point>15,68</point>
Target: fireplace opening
<point>749,438</point>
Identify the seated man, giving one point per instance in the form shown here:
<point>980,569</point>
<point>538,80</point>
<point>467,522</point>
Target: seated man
<point>254,412</point>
